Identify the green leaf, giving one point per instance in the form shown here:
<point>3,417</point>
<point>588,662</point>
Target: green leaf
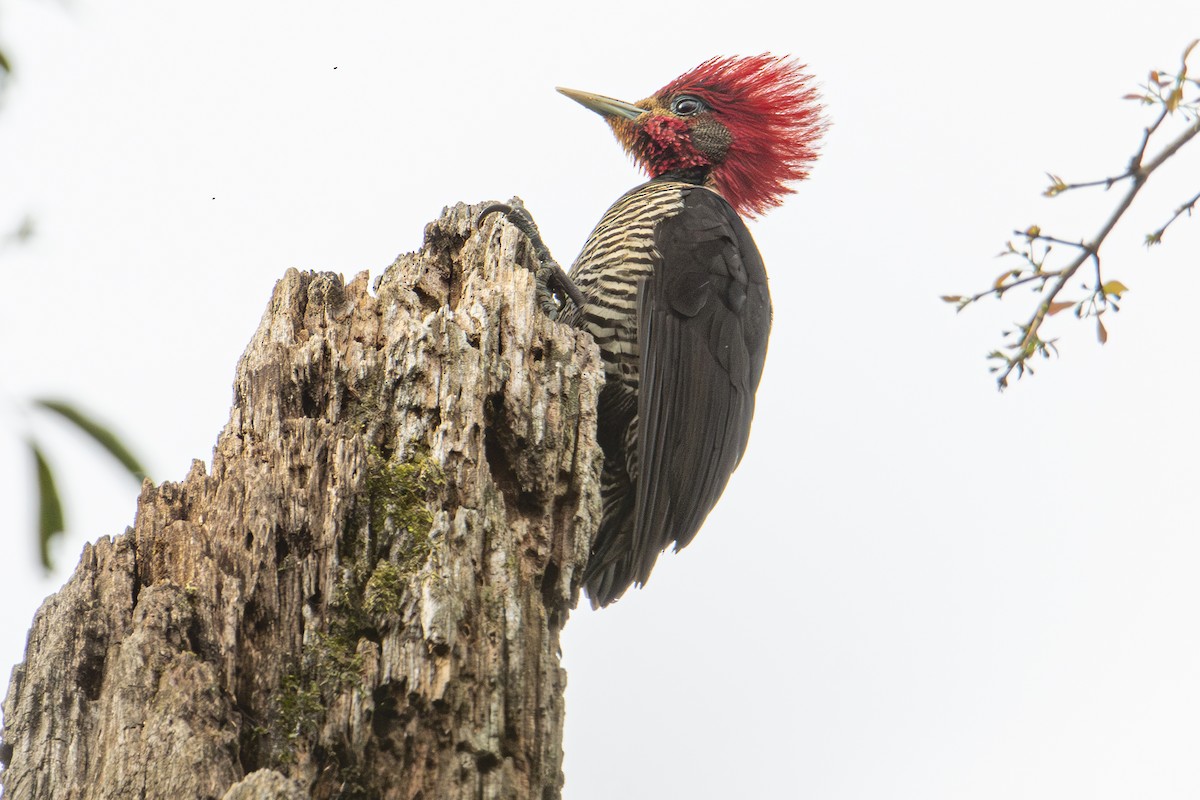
<point>100,434</point>
<point>50,512</point>
<point>5,65</point>
<point>1115,288</point>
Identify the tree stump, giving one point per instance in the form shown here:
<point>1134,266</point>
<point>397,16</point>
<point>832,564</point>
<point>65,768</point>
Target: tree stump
<point>363,599</point>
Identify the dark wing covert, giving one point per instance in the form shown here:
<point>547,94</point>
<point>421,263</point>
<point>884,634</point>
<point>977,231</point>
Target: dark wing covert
<point>704,317</point>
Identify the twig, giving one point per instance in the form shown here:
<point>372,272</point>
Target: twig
<point>1054,281</point>
<point>1186,208</point>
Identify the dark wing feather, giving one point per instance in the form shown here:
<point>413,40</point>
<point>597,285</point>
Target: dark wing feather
<point>704,317</point>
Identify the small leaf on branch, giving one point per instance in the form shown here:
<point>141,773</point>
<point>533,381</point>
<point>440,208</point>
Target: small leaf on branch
<point>1038,268</point>
<point>1174,98</point>
<point>1054,308</point>
<point>1115,288</point>
<point>1057,186</point>
<point>952,298</point>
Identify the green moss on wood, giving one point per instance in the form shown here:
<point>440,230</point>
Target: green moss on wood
<point>384,589</point>
<point>400,493</point>
<point>399,496</point>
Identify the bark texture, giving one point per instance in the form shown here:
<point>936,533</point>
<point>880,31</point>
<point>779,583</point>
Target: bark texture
<point>363,597</point>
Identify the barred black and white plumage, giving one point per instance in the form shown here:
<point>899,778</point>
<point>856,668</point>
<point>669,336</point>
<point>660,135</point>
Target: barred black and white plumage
<point>676,298</point>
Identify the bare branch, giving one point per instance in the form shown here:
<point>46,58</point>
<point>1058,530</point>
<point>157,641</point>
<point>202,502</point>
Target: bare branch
<point>1162,89</point>
<point>1038,236</point>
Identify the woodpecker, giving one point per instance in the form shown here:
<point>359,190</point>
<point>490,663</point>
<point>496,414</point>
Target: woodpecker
<point>672,287</point>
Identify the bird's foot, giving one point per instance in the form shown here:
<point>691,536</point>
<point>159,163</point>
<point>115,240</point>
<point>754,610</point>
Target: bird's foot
<point>550,277</point>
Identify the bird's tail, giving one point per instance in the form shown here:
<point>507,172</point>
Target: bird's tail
<point>610,570</point>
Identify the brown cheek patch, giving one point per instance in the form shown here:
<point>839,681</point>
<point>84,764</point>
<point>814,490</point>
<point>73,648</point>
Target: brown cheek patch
<point>711,138</point>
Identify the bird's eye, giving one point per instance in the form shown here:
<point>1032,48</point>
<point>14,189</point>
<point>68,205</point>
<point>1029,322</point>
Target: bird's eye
<point>687,106</point>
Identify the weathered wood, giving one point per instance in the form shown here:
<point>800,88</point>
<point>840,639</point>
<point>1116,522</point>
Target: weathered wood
<point>364,596</point>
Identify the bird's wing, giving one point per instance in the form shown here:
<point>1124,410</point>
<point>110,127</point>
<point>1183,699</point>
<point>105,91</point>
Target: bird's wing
<point>703,321</point>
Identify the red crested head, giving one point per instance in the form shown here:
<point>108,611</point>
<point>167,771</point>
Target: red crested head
<point>748,125</point>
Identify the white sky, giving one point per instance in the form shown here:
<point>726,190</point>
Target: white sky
<point>915,587</point>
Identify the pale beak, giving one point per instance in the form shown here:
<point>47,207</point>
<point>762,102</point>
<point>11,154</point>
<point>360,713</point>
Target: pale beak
<point>604,106</point>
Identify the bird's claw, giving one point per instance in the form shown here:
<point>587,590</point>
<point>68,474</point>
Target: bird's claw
<point>494,208</point>
<point>545,297</point>
<point>517,215</point>
<point>549,275</point>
